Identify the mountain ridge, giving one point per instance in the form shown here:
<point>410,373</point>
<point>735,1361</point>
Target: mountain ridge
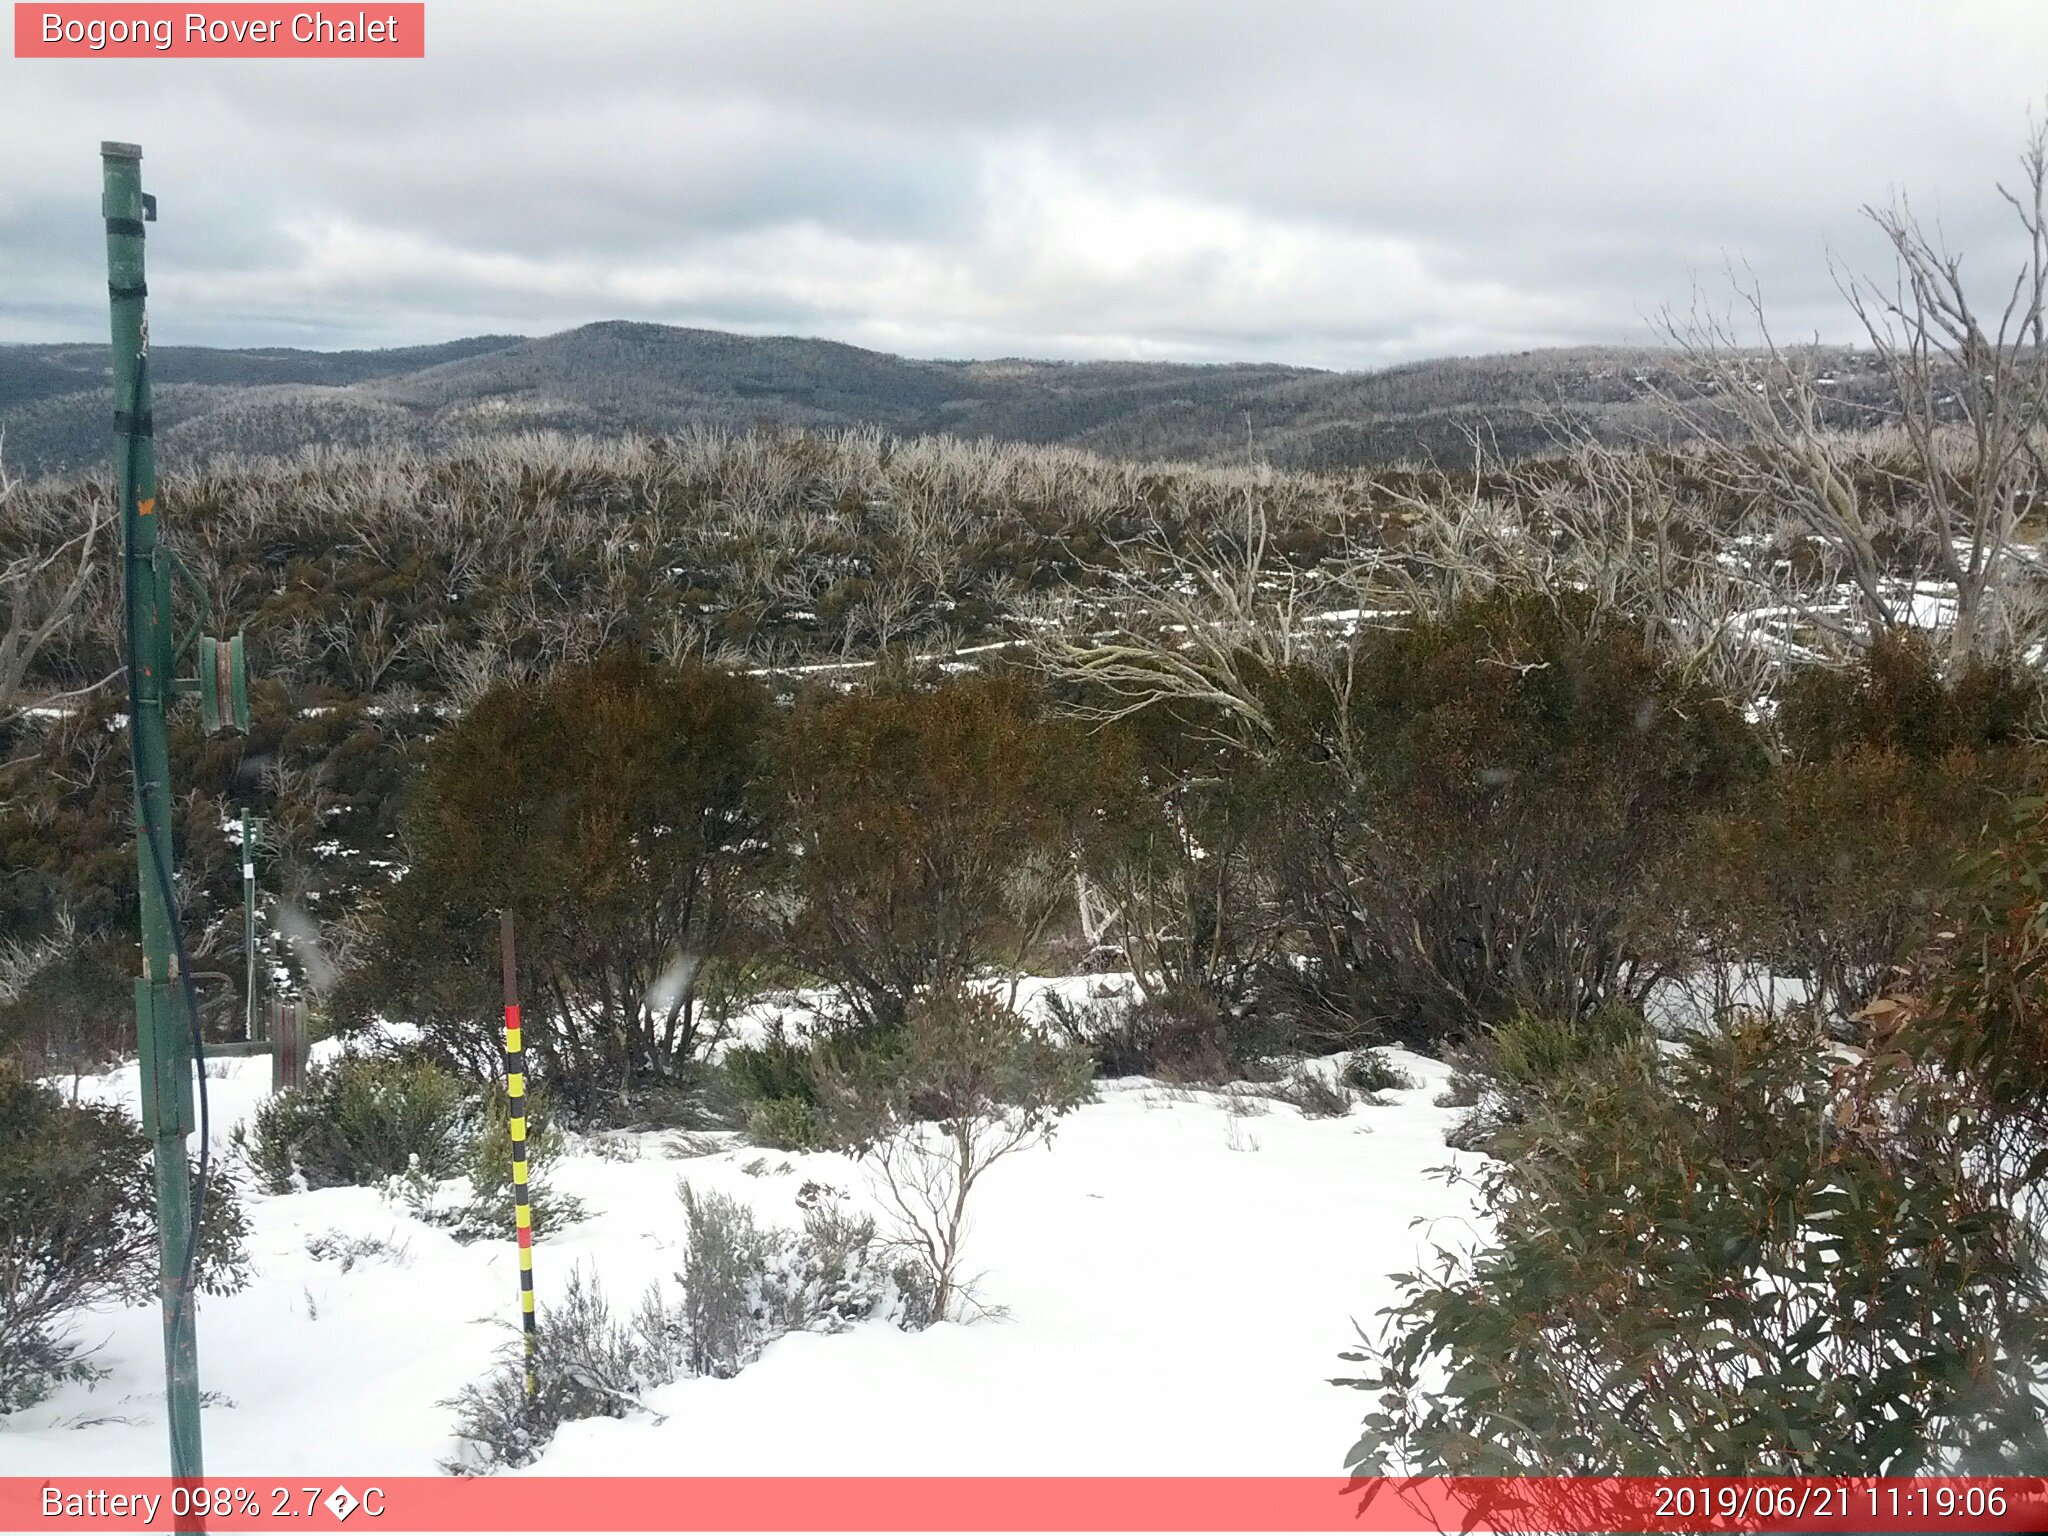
<point>619,376</point>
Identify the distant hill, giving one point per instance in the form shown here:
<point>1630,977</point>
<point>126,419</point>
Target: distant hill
<point>617,377</point>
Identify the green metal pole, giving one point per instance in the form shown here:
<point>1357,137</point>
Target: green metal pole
<point>251,831</point>
<point>163,1026</point>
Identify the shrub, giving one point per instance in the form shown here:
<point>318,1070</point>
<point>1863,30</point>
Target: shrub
<point>74,1011</point>
<point>361,1120</point>
<point>745,1285</point>
<point>1316,1096</point>
<point>786,1125</point>
<point>1832,867</point>
<point>931,833</point>
<point>1368,1072</point>
<point>78,1229</point>
<point>778,1067</point>
<point>964,1084</point>
<point>1504,1072</point>
<point>1899,700</point>
<point>585,1365</point>
<point>1181,857</point>
<point>616,809</point>
<point>1177,1037</point>
<point>1477,806</point>
<point>1974,1007</point>
<point>1755,1259</point>
<point>489,1210</point>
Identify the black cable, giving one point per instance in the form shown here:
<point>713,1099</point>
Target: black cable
<point>130,489</point>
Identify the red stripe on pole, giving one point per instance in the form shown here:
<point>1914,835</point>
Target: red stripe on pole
<point>511,1016</point>
<point>1680,1505</point>
<point>526,1237</point>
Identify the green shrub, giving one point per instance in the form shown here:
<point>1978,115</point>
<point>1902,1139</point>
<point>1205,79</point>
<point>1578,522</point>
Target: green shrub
<point>930,834</point>
<point>1504,1072</point>
<point>779,1067</point>
<point>787,1125</point>
<point>488,1162</point>
<point>1988,1015</point>
<point>1368,1072</point>
<point>1753,1258</point>
<point>1530,1050</point>
<point>618,810</point>
<point>78,1229</point>
<point>1476,808</point>
<point>361,1120</point>
<point>1832,867</point>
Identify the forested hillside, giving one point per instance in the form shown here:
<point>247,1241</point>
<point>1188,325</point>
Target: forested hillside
<point>618,377</point>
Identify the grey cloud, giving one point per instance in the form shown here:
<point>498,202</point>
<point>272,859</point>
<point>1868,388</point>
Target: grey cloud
<point>1320,181</point>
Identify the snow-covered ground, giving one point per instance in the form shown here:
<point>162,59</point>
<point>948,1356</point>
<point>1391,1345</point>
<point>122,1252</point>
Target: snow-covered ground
<point>1174,1277</point>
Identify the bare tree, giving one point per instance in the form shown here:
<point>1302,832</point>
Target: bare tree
<point>1969,390</point>
<point>40,589</point>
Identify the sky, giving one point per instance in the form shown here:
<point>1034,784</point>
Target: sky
<point>1331,183</point>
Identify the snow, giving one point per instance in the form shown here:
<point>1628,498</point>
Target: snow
<point>1171,1261</point>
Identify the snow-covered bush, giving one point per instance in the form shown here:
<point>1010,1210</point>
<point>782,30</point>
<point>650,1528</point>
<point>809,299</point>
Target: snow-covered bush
<point>78,1229</point>
<point>744,1284</point>
<point>1752,1256</point>
<point>362,1120</point>
<point>585,1365</point>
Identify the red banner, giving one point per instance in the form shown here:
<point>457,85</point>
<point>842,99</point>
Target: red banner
<point>240,31</point>
<point>539,1504</point>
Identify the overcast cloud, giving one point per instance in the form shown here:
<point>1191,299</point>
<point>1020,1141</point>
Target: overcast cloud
<point>1331,182</point>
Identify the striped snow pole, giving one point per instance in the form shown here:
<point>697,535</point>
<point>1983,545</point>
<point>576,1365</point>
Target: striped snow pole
<point>515,1100</point>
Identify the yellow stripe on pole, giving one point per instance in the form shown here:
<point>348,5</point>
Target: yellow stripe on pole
<point>519,1127</point>
<point>523,1214</point>
<point>526,1301</point>
<point>526,1258</point>
<point>515,1084</point>
<point>518,1170</point>
<point>512,1039</point>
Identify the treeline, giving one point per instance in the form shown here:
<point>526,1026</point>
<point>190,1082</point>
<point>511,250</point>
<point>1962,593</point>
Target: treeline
<point>384,595</point>
<point>1517,810</point>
